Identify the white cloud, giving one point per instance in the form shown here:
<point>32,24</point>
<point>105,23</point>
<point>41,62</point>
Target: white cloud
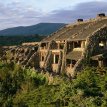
<point>15,14</point>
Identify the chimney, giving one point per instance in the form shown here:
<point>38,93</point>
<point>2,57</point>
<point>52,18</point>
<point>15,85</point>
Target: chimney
<point>79,20</point>
<point>101,15</point>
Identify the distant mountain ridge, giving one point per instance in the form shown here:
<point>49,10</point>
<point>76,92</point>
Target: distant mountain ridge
<point>41,29</point>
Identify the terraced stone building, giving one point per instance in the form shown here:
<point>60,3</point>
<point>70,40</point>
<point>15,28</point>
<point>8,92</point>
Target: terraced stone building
<point>74,46</point>
<point>67,50</point>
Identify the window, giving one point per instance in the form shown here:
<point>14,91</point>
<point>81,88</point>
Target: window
<point>73,63</point>
<point>61,46</point>
<point>77,44</point>
<point>42,58</point>
<point>56,59</point>
<point>68,62</point>
<point>69,46</point>
<point>102,44</point>
<point>44,45</point>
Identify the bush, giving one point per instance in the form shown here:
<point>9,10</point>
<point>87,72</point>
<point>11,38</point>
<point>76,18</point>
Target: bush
<point>26,88</point>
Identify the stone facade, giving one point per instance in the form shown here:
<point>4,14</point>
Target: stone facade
<point>67,50</point>
<point>78,49</point>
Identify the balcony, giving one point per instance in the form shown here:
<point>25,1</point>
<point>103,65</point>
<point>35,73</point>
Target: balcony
<point>78,49</point>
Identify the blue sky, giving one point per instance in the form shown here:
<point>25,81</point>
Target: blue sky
<point>29,12</point>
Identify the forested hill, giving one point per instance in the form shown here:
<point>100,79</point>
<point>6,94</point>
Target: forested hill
<point>41,29</point>
<point>18,40</point>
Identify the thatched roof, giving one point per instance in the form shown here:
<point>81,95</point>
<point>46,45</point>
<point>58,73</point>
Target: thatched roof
<point>77,31</point>
<point>74,55</point>
<point>99,56</point>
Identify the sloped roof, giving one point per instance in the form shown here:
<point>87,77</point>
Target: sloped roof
<point>74,55</point>
<point>78,30</point>
<point>99,56</point>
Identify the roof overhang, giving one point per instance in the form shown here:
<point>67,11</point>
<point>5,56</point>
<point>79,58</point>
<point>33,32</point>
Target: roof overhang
<point>74,55</point>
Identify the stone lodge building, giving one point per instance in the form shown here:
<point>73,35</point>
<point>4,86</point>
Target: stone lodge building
<point>72,47</point>
<point>69,49</point>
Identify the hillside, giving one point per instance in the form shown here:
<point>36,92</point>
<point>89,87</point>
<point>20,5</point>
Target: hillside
<point>18,40</point>
<point>41,29</point>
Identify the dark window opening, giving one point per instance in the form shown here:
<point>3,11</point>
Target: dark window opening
<point>42,58</point>
<point>54,46</point>
<point>56,59</point>
<point>43,45</point>
<point>68,62</point>
<point>77,44</point>
<point>102,44</point>
<point>35,48</point>
<point>73,63</point>
<point>69,46</point>
<point>61,46</point>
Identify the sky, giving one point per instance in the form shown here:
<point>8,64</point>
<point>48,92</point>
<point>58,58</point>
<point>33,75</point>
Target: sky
<point>15,13</point>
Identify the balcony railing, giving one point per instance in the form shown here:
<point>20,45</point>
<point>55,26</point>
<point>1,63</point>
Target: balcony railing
<point>43,48</point>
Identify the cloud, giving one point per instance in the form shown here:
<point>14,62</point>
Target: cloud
<point>82,10</point>
<point>15,14</point>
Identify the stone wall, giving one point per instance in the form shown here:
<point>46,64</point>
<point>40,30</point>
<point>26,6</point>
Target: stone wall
<point>28,56</point>
<point>92,48</point>
<point>20,54</point>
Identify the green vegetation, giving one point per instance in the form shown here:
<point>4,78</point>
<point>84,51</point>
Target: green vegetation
<point>21,87</point>
<point>15,80</point>
<point>18,40</point>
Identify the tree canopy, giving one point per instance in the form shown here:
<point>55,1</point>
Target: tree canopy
<point>22,87</point>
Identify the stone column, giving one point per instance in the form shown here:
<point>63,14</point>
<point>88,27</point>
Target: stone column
<point>83,44</point>
<point>54,58</point>
<point>58,46</point>
<point>100,63</point>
